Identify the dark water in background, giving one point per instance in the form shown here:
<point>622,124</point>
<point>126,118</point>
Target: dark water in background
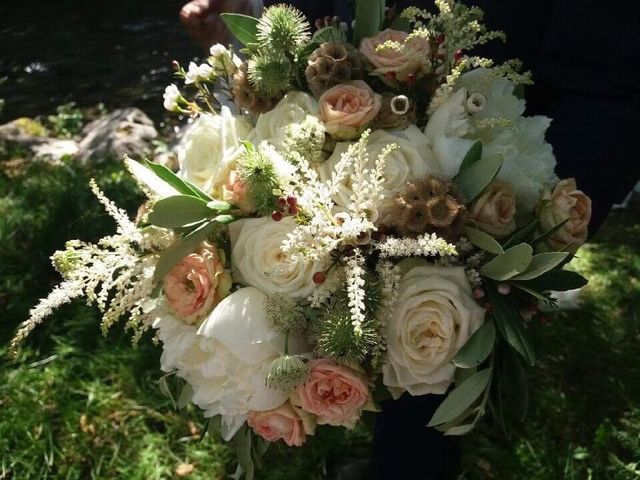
<point>117,52</point>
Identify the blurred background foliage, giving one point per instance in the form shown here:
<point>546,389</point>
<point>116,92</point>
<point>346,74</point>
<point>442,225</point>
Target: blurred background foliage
<point>76,405</point>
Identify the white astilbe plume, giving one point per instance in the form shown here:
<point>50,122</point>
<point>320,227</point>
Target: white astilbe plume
<point>325,231</point>
<point>322,293</point>
<point>427,245</point>
<point>115,274</point>
<point>390,276</point>
<point>355,291</point>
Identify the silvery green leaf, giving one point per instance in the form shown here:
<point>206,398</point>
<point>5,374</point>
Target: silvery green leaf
<point>483,240</point>
<point>461,397</point>
<point>473,155</point>
<point>558,280</point>
<point>182,186</point>
<point>541,263</point>
<point>178,211</point>
<point>513,261</point>
<point>477,348</point>
<point>474,179</point>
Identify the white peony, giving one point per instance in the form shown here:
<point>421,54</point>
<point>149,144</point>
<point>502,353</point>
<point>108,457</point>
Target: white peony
<point>210,148</point>
<point>434,316</point>
<point>293,109</point>
<point>447,131</point>
<point>258,259</point>
<point>528,161</point>
<point>412,159</point>
<point>226,359</point>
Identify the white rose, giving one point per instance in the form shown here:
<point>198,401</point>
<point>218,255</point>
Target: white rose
<point>258,259</point>
<point>434,315</point>
<point>293,109</point>
<point>210,148</point>
<point>226,359</point>
<point>412,159</point>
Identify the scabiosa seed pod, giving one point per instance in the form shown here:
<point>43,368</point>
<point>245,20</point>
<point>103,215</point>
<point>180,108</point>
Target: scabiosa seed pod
<point>331,64</point>
<point>397,112</point>
<point>245,95</point>
<point>287,372</point>
<point>429,205</point>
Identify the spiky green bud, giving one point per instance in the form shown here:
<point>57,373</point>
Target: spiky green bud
<point>287,372</point>
<point>269,74</point>
<point>283,28</point>
<point>258,174</point>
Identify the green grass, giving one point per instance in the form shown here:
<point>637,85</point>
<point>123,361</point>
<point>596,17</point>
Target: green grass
<point>76,405</point>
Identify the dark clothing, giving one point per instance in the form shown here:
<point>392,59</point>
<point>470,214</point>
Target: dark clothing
<point>585,60</point>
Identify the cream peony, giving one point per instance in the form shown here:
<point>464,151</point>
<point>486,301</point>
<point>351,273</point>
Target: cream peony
<point>210,148</point>
<point>494,211</point>
<point>226,359</point>
<point>412,159</point>
<point>347,109</point>
<point>434,315</point>
<point>564,202</point>
<point>410,58</point>
<point>294,108</point>
<point>258,259</point>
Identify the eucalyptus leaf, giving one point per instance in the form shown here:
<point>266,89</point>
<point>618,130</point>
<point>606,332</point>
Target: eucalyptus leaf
<point>483,240</point>
<point>556,280</point>
<point>243,27</point>
<point>541,263</point>
<point>509,324</point>
<point>513,261</point>
<point>181,248</point>
<point>400,23</point>
<point>473,155</point>
<point>548,233</point>
<point>243,440</point>
<point>522,234</point>
<point>219,205</point>
<point>474,179</point>
<point>178,211</point>
<point>478,347</point>
<point>534,293</point>
<point>185,396</point>
<point>182,186</point>
<point>461,397</point>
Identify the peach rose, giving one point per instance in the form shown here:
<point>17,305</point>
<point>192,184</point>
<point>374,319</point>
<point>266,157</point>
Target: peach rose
<point>494,210</point>
<point>197,284</point>
<point>336,394</point>
<point>564,202</point>
<point>234,191</point>
<point>282,423</point>
<point>410,56</point>
<point>346,109</point>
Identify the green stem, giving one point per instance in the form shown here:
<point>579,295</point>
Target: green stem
<point>286,343</point>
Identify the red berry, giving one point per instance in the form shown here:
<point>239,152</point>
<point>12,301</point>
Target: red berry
<point>504,288</point>
<point>457,55</point>
<point>440,39</point>
<point>277,215</point>
<point>293,210</point>
<point>319,278</point>
<point>411,79</point>
<point>291,200</point>
<point>390,75</point>
<point>281,202</point>
<point>478,293</point>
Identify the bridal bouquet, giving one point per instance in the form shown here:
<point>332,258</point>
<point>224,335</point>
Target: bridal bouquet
<point>356,214</point>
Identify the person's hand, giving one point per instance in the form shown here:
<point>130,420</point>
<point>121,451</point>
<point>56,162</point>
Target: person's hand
<point>202,19</point>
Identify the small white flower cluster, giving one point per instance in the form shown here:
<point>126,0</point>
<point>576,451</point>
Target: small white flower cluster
<point>335,279</point>
<point>355,291</point>
<point>427,245</point>
<point>390,276</point>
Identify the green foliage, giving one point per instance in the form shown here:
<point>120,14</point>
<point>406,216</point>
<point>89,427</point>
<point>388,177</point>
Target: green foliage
<point>270,73</point>
<point>473,179</point>
<point>243,27</point>
<point>369,18</point>
<point>67,122</point>
<point>283,28</point>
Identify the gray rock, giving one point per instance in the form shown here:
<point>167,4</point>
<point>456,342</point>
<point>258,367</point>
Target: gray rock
<point>39,147</point>
<point>127,131</point>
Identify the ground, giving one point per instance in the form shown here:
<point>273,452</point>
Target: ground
<point>77,405</point>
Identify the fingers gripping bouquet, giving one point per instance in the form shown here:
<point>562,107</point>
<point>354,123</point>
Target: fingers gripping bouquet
<point>352,215</point>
